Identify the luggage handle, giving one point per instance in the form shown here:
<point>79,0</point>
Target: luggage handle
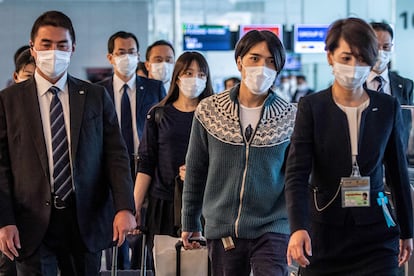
<point>178,246</point>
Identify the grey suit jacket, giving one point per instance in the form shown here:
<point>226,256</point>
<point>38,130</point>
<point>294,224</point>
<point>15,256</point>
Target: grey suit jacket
<point>99,162</point>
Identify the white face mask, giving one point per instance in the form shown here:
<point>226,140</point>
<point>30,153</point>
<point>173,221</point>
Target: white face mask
<point>126,64</point>
<point>52,63</point>
<point>259,78</point>
<point>382,61</point>
<point>192,87</point>
<point>162,71</point>
<point>350,77</point>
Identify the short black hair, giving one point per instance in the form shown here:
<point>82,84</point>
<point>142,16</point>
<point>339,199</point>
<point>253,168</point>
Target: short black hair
<point>358,34</point>
<point>19,51</point>
<point>120,34</point>
<point>382,26</point>
<point>23,59</point>
<point>56,19</point>
<point>158,43</point>
<point>254,37</point>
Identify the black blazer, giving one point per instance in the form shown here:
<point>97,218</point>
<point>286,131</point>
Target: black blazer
<point>320,146</point>
<point>401,88</point>
<point>99,160</point>
<point>149,93</point>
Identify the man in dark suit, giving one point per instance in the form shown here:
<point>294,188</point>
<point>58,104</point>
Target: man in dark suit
<point>381,79</point>
<point>302,89</point>
<point>65,186</point>
<point>141,95</point>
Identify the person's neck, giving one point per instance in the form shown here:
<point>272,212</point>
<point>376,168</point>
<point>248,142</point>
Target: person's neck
<point>351,98</point>
<point>124,78</point>
<point>378,72</point>
<point>51,80</point>
<point>248,99</point>
<point>185,104</point>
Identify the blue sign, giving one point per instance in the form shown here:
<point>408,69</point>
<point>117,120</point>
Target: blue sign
<point>206,37</point>
<point>310,38</point>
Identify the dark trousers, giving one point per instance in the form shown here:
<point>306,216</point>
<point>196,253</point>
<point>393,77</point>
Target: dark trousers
<point>264,256</point>
<point>7,266</point>
<point>62,245</point>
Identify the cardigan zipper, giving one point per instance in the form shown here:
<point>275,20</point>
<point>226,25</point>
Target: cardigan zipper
<point>236,226</point>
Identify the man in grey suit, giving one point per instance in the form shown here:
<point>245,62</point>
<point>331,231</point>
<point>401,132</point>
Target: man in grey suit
<point>65,186</point>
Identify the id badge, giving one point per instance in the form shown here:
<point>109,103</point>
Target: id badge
<point>355,191</point>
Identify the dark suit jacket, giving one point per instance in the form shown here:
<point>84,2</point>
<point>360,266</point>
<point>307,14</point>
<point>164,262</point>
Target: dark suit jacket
<point>149,93</point>
<point>320,145</point>
<point>99,160</point>
<point>401,88</point>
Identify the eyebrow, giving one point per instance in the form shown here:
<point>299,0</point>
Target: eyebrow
<point>259,55</point>
<point>51,41</point>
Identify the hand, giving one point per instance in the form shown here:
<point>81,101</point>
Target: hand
<point>406,250</point>
<point>187,235</point>
<point>10,241</point>
<point>299,240</point>
<point>182,172</point>
<point>124,222</point>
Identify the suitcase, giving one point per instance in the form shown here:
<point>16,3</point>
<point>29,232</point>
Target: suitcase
<point>178,247</point>
<point>141,272</point>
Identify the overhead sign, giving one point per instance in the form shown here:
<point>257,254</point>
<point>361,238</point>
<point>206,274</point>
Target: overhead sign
<point>207,37</point>
<point>274,28</point>
<point>310,38</point>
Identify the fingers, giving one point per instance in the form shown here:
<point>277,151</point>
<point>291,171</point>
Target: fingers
<point>10,241</point>
<point>403,257</point>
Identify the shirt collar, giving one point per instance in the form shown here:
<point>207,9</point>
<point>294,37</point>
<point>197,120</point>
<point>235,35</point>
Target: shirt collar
<point>118,83</point>
<point>384,75</point>
<point>43,84</point>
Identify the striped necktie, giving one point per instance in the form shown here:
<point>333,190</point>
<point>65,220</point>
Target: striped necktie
<point>381,84</point>
<point>62,175</point>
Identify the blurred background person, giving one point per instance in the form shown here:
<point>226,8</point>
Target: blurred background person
<point>344,137</point>
<point>302,88</point>
<point>230,82</point>
<point>164,145</point>
<point>15,56</point>
<point>160,58</point>
<point>25,66</point>
<point>142,70</point>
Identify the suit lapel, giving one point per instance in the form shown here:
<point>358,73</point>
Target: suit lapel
<point>77,96</point>
<point>109,85</point>
<point>140,90</point>
<point>30,102</point>
<point>396,86</point>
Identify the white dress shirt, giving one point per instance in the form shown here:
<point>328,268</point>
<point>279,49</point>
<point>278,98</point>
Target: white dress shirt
<point>373,84</point>
<point>45,99</point>
<point>118,85</point>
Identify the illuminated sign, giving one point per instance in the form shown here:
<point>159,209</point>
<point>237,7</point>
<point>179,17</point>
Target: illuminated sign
<point>310,38</point>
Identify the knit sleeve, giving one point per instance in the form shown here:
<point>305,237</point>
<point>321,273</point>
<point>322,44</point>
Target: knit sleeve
<point>195,178</point>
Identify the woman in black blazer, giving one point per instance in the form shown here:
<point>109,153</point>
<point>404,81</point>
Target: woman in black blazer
<point>344,137</point>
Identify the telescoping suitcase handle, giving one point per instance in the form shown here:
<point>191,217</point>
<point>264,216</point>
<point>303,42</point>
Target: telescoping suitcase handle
<point>178,246</point>
<point>114,266</point>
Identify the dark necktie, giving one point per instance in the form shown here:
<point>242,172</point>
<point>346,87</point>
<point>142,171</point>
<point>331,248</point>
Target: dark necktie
<point>62,175</point>
<point>126,121</point>
<point>381,83</point>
